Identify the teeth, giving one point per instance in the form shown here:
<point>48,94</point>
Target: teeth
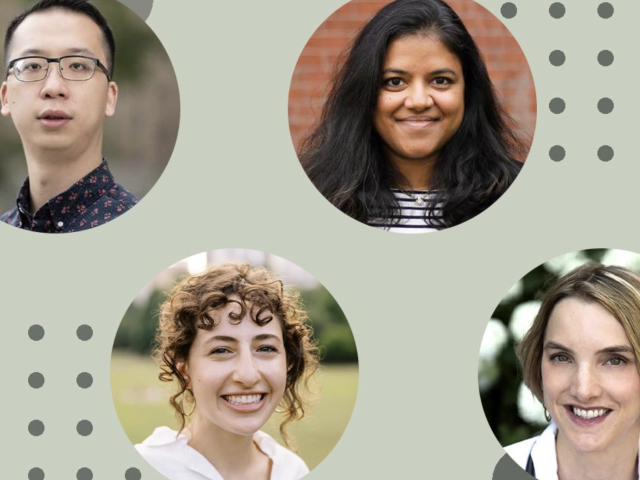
<point>589,414</point>
<point>243,399</point>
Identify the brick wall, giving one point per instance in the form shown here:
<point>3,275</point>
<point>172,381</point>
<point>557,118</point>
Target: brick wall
<point>507,64</point>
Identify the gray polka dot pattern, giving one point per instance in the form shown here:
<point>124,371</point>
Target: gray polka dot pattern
<point>84,428</point>
<point>508,10</point>
<point>605,58</point>
<point>36,474</point>
<point>605,105</point>
<point>557,105</point>
<point>557,58</point>
<point>36,332</point>
<point>605,10</point>
<point>36,380</point>
<point>557,153</point>
<point>84,332</point>
<point>84,474</point>
<point>36,428</point>
<point>605,153</point>
<point>132,474</point>
<point>84,380</point>
<point>557,10</point>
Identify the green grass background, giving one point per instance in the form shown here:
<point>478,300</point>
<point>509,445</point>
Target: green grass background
<point>142,404</point>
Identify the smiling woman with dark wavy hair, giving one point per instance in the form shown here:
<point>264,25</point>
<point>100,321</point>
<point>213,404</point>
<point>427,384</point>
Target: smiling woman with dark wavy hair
<point>238,346</point>
<point>412,137</point>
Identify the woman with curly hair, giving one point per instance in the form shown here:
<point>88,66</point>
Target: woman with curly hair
<point>238,345</point>
<point>412,137</point>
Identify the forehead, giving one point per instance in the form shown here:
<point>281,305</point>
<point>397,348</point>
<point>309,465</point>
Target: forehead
<point>589,324</point>
<point>244,330</point>
<point>57,32</point>
<point>427,49</point>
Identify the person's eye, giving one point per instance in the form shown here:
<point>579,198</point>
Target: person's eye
<point>616,361</point>
<point>78,66</point>
<point>267,349</point>
<point>559,358</point>
<point>442,81</point>
<point>220,351</point>
<point>31,67</point>
<point>393,82</point>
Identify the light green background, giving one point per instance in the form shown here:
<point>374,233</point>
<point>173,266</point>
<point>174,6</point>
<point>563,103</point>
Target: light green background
<point>417,304</point>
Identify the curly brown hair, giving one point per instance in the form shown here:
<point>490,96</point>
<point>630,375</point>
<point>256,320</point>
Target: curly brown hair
<point>189,307</point>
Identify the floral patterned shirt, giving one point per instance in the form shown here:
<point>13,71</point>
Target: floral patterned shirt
<point>94,200</point>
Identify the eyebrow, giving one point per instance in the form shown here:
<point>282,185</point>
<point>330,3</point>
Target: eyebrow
<point>258,338</point>
<point>613,349</point>
<point>68,51</point>
<point>439,71</point>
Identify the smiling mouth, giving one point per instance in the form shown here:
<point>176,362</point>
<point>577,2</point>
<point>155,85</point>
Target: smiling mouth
<point>589,414</point>
<point>241,400</point>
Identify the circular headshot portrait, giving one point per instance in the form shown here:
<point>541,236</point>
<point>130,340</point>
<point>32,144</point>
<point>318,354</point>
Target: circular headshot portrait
<point>83,134</point>
<point>234,364</point>
<point>412,115</point>
<point>559,367</point>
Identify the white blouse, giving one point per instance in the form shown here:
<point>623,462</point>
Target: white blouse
<point>170,454</point>
<point>543,453</point>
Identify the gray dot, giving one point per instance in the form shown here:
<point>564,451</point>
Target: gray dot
<point>605,105</point>
<point>605,58</point>
<point>557,10</point>
<point>132,474</point>
<point>557,153</point>
<point>36,332</point>
<point>84,474</point>
<point>605,10</point>
<point>84,380</point>
<point>557,105</point>
<point>84,332</point>
<point>508,10</point>
<point>605,153</point>
<point>36,474</point>
<point>36,380</point>
<point>557,58</point>
<point>84,428</point>
<point>36,428</point>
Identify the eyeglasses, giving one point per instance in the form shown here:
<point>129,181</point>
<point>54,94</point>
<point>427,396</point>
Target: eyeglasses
<point>75,68</point>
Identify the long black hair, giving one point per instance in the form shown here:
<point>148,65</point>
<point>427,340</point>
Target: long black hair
<point>344,157</point>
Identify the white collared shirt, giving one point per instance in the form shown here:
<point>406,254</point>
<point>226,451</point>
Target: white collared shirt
<point>543,453</point>
<point>176,460</point>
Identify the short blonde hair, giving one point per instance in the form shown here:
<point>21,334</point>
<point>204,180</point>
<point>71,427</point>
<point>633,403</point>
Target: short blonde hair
<point>617,289</point>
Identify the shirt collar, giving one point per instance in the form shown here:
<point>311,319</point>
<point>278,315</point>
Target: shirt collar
<point>544,456</point>
<point>76,200</point>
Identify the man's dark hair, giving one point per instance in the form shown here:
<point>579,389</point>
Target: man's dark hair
<point>78,6</point>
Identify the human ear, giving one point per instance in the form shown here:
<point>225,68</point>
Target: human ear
<point>4,101</point>
<point>112,99</point>
<point>183,367</point>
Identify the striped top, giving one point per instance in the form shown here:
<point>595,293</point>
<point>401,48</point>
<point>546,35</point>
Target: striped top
<point>414,206</point>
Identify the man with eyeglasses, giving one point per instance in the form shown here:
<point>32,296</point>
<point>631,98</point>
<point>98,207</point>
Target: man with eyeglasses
<point>59,59</point>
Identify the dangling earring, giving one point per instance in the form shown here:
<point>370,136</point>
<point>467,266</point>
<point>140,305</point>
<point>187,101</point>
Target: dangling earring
<point>279,411</point>
<point>547,415</point>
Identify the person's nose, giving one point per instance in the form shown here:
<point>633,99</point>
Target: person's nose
<point>53,84</point>
<point>246,371</point>
<point>585,384</point>
<point>418,97</point>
